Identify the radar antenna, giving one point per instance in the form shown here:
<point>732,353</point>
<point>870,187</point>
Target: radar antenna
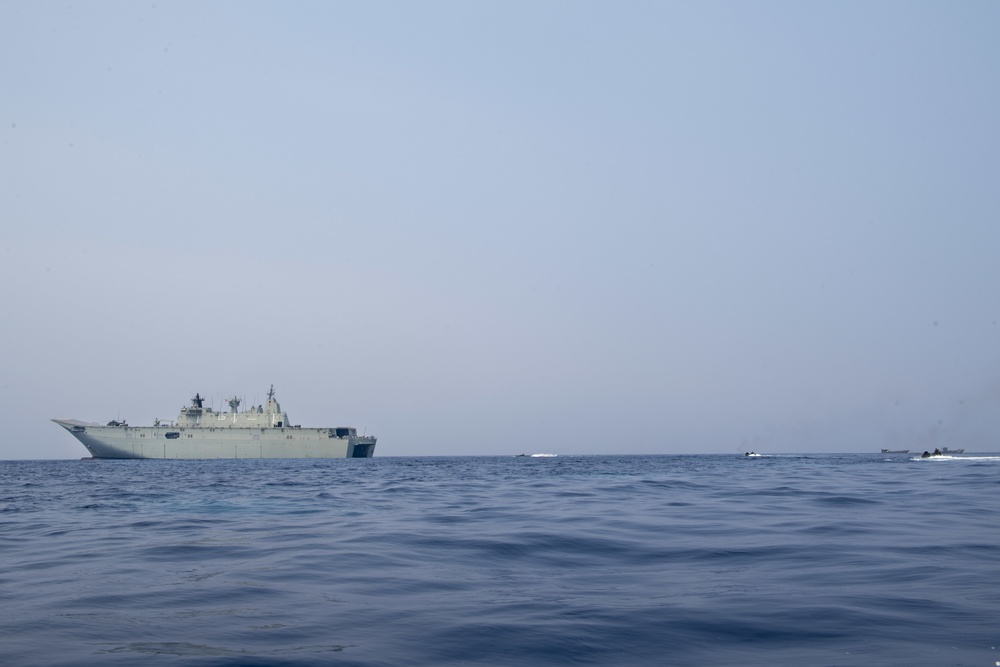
<point>197,400</point>
<point>270,393</point>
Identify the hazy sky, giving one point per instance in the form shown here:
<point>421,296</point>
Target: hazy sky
<point>495,228</point>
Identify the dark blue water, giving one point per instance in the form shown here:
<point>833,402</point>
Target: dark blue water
<point>664,560</point>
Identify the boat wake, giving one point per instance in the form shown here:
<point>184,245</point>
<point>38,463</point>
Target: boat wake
<point>949,457</point>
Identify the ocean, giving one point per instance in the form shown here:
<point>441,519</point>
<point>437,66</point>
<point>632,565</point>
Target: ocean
<point>570,560</point>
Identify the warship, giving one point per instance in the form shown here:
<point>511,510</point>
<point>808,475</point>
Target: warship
<point>259,432</point>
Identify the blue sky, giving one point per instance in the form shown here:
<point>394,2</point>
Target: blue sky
<point>488,228</point>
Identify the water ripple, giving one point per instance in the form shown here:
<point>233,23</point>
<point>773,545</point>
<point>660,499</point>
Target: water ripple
<point>839,560</point>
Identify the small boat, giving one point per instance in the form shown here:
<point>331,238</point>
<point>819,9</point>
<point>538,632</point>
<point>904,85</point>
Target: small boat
<point>753,454</point>
<point>895,451</point>
<point>944,451</point>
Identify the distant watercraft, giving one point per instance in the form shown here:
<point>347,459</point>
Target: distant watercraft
<point>895,451</point>
<point>944,451</point>
<point>542,456</point>
<point>754,454</point>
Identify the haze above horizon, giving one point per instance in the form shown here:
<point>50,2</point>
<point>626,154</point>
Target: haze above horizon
<point>496,228</point>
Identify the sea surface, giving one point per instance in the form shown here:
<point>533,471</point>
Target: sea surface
<point>568,560</point>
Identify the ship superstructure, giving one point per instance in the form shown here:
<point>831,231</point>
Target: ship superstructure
<point>259,432</point>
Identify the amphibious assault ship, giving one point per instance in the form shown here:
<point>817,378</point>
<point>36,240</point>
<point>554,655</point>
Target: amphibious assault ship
<point>260,432</point>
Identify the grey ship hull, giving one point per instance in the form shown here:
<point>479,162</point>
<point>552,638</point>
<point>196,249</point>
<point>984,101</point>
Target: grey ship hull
<point>151,442</point>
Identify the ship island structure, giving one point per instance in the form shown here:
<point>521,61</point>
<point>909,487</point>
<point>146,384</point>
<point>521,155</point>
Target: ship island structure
<point>259,432</point>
